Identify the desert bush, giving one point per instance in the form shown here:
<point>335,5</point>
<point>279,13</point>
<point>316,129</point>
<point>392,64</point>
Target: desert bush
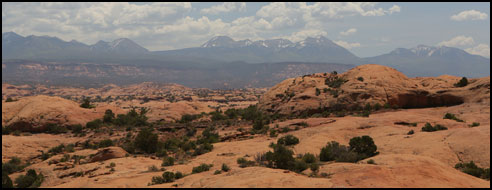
<point>203,148</point>
<point>6,181</point>
<point>105,143</point>
<point>428,127</point>
<point>225,168</point>
<point>217,116</point>
<point>281,157</point>
<point>463,82</point>
<point>411,132</point>
<point>309,158</point>
<point>76,129</point>
<point>87,103</point>
<point>132,118</point>
<point>472,169</point>
<point>334,82</point>
<point>30,180</point>
<point>452,116</point>
<point>168,161</point>
<point>95,124</point>
<point>299,166</point>
<point>178,175</point>
<point>57,149</point>
<point>108,116</point>
<point>54,128</point>
<point>333,151</point>
<point>146,141</point>
<point>371,161</point>
<point>364,146</point>
<point>245,163</point>
<point>318,92</point>
<point>201,168</point>
<point>273,133</point>
<point>217,172</point>
<point>12,166</point>
<point>360,79</point>
<point>288,140</point>
<point>475,124</point>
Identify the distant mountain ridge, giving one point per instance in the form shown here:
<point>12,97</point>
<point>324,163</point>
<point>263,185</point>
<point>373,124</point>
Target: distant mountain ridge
<point>418,61</point>
<point>433,61</point>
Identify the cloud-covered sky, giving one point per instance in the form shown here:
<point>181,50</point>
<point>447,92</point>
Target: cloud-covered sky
<point>367,29</point>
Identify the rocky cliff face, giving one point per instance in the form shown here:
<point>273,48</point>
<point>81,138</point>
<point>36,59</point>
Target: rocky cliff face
<point>370,84</point>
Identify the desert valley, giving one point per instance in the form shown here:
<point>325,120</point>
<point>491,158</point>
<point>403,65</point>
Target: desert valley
<point>316,109</point>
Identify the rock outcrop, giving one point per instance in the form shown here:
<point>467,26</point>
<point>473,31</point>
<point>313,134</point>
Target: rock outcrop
<point>370,84</point>
<point>108,153</point>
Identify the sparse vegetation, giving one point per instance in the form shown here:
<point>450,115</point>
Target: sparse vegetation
<point>452,116</point>
<point>429,128</point>
<point>201,168</point>
<point>30,180</point>
<point>288,140</point>
<point>225,168</point>
<point>475,124</point>
<point>463,82</point>
<point>168,161</point>
<point>245,163</point>
<point>334,82</point>
<point>371,161</point>
<point>359,149</point>
<point>411,132</point>
<point>87,103</point>
<point>146,141</point>
<point>360,79</point>
<point>474,170</point>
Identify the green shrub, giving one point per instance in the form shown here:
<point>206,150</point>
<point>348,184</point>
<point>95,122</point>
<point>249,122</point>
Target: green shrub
<point>309,158</point>
<point>201,168</point>
<point>314,167</point>
<point>281,157</point>
<point>463,82</point>
<point>299,166</point>
<point>428,127</point>
<point>54,128</point>
<point>87,104</point>
<point>318,92</point>
<point>146,141</point>
<point>333,151</point>
<point>245,163</point>
<point>360,79</point>
<point>105,143</point>
<point>452,116</point>
<point>57,149</point>
<point>288,140</point>
<point>108,116</point>
<point>76,129</point>
<point>334,82</point>
<point>6,181</point>
<point>168,177</point>
<point>95,124</point>
<point>273,133</point>
<point>168,161</point>
<point>178,175</point>
<point>225,168</point>
<point>217,116</point>
<point>411,132</point>
<point>364,146</point>
<point>472,169</point>
<point>475,124</point>
<point>30,180</point>
<point>202,149</point>
<point>377,106</point>
<point>217,172</point>
<point>371,161</point>
<point>132,118</point>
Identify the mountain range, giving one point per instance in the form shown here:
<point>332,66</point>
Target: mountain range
<point>222,50</point>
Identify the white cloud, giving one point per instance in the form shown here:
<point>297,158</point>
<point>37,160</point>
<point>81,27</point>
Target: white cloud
<point>348,32</point>
<point>394,9</point>
<point>457,41</point>
<point>469,15</point>
<point>480,49</point>
<point>347,45</point>
<point>225,8</point>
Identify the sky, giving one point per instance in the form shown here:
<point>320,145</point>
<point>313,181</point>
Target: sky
<point>366,29</point>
